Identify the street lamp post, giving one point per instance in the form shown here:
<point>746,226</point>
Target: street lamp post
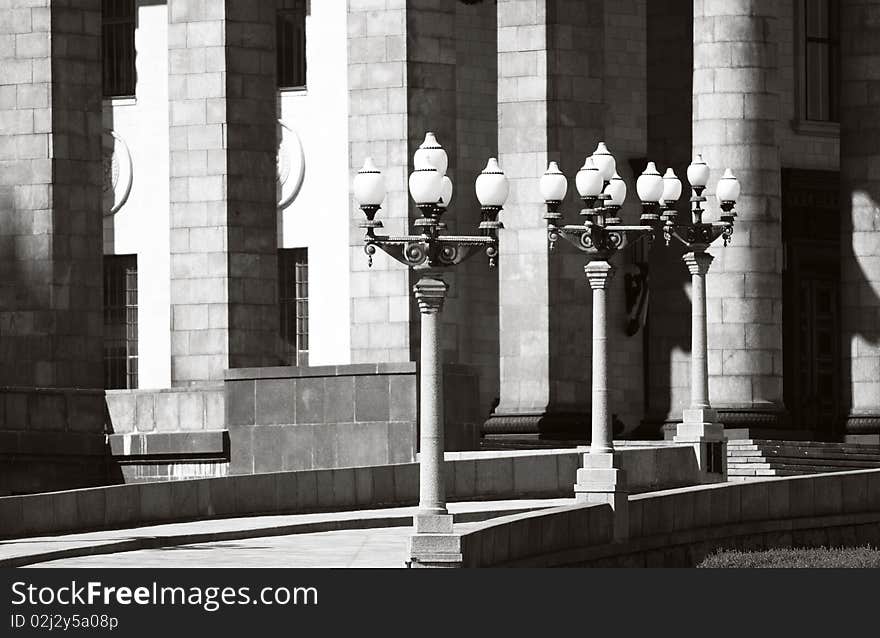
<point>600,237</point>
<point>430,253</point>
<point>700,422</point>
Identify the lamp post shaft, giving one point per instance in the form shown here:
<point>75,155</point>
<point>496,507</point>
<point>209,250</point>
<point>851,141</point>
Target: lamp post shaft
<point>599,274</point>
<point>698,263</point>
<point>430,292</point>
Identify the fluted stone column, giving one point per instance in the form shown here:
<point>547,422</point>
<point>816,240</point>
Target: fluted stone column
<point>433,543</point>
<point>736,112</point>
<point>700,425</point>
<point>600,274</point>
<point>860,218</point>
<point>601,480</point>
<point>430,293</point>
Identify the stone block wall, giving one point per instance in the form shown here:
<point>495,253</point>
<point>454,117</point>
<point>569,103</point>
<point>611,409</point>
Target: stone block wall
<point>381,310</point>
<point>571,74</point>
<point>51,303</point>
<point>417,66</point>
<point>50,229</point>
<point>345,416</point>
<point>223,201</point>
<point>173,434</point>
<point>51,440</point>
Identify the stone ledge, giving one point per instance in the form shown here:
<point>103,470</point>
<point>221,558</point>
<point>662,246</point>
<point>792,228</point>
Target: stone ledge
<point>215,442</point>
<point>359,369</point>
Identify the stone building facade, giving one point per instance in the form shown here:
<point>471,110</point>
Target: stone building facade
<point>228,138</point>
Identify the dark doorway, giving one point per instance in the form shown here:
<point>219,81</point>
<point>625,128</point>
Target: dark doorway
<point>811,303</point>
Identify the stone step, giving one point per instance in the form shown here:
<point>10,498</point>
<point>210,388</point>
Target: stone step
<point>757,444</point>
<point>763,474</point>
<point>787,460</point>
<point>791,467</point>
<point>873,459</point>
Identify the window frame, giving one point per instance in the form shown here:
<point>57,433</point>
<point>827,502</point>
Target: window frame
<point>300,10</point>
<point>117,21</point>
<point>293,305</point>
<point>801,124</point>
<point>124,270</point>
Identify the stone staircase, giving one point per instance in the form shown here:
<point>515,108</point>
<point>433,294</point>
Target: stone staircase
<point>750,458</point>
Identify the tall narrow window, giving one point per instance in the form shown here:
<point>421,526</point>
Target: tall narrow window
<point>822,60</point>
<point>291,45</point>
<point>118,47</point>
<point>293,286</point>
<point>120,322</point>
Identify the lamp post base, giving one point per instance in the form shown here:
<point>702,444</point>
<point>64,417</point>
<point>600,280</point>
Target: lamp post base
<point>599,481</point>
<point>700,427</point>
<point>434,544</point>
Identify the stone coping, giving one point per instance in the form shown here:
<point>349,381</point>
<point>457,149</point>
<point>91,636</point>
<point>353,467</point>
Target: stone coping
<point>358,369</point>
<point>352,370</point>
<point>500,454</point>
<point>488,477</point>
<point>203,387</point>
<point>679,520</point>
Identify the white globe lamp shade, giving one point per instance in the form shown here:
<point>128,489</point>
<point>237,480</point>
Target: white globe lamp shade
<point>425,186</point>
<point>430,153</point>
<point>369,186</point>
<point>605,162</point>
<point>729,188</point>
<point>650,185</point>
<point>617,190</point>
<point>671,187</point>
<point>698,173</point>
<point>492,186</point>
<point>445,192</point>
<point>554,184</point>
<point>589,180</point>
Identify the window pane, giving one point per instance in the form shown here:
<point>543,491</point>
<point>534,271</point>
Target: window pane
<point>294,304</point>
<point>120,322</point>
<point>817,82</point>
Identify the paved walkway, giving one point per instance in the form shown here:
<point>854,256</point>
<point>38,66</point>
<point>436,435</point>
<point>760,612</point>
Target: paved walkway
<point>367,538</point>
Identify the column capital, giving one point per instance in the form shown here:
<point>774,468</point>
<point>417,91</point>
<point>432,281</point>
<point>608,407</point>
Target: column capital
<point>698,262</point>
<point>430,292</point>
<point>599,274</point>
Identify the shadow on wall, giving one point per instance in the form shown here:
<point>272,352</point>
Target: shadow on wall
<point>667,336</point>
<point>860,321</point>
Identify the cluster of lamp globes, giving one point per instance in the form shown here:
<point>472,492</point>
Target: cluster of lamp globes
<point>429,185</point>
<point>598,179</point>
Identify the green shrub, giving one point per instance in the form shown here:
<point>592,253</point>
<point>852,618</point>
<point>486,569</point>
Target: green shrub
<point>824,558</point>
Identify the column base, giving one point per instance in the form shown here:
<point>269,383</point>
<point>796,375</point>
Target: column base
<point>700,427</point>
<point>600,482</point>
<point>862,423</point>
<point>432,523</point>
<point>543,425</point>
<point>433,545</point>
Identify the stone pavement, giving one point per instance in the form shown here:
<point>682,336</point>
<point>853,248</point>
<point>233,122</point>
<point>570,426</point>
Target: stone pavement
<point>369,538</point>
